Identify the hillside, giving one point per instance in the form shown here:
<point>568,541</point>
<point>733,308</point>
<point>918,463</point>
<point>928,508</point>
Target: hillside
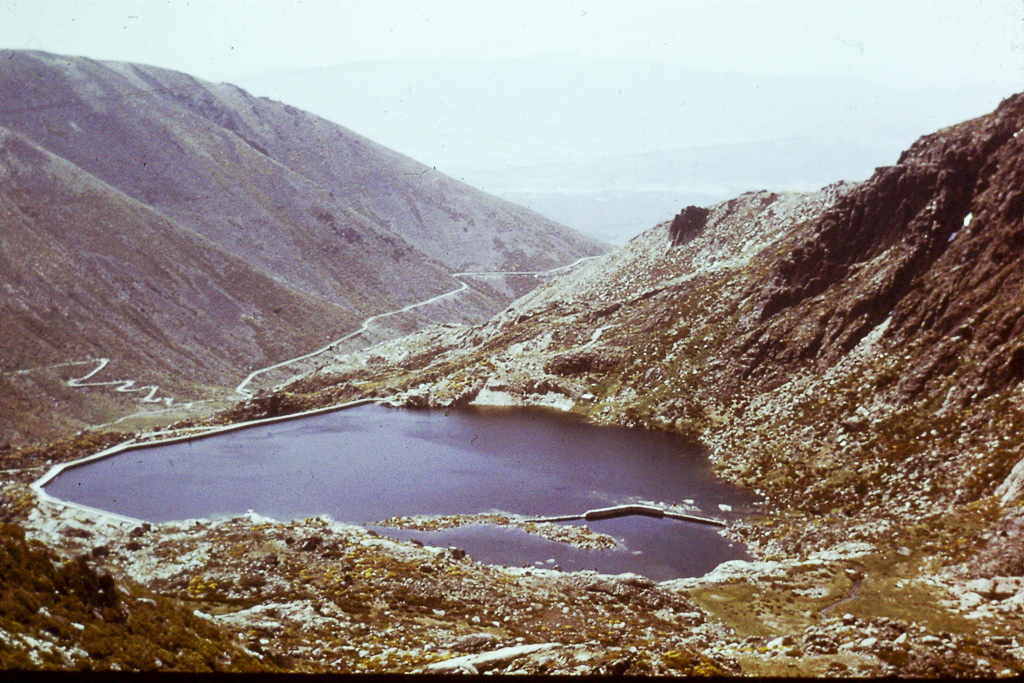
<point>234,165</point>
<point>855,355</point>
<point>852,354</point>
<point>191,233</point>
<point>90,272</point>
<point>879,324</point>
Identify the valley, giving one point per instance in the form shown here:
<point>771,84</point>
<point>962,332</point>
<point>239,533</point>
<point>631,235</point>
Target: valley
<point>208,233</point>
<point>853,356</point>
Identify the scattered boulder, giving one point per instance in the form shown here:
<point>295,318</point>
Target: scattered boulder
<point>636,580</point>
<point>818,642</point>
<point>867,643</point>
<point>998,588</point>
<point>487,660</point>
<point>474,642</point>
<point>312,543</point>
<point>581,362</point>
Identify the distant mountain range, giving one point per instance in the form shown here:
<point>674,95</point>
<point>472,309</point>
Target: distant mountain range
<point>191,232</point>
<point>611,146</point>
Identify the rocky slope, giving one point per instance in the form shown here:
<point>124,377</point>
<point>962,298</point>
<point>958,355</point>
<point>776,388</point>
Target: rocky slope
<point>318,596</point>
<point>855,355</point>
<point>857,347</point>
<point>852,354</point>
<point>191,233</point>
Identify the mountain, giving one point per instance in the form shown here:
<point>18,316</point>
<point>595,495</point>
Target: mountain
<point>854,354</point>
<point>191,233</point>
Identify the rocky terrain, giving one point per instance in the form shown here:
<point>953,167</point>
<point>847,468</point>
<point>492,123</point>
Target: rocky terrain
<point>313,595</point>
<point>854,355</point>
<point>191,233</point>
<point>861,347</point>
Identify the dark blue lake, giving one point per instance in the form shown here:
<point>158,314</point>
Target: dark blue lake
<point>368,463</point>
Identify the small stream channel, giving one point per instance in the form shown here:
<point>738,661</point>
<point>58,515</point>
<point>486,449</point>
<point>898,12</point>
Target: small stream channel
<point>369,463</point>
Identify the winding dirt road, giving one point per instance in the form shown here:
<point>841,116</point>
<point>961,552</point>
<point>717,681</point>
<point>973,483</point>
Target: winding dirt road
<point>241,389</point>
<point>122,385</point>
<point>129,385</point>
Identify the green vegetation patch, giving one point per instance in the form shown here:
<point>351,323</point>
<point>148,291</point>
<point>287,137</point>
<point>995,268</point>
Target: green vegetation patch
<point>68,615</point>
<point>776,605</point>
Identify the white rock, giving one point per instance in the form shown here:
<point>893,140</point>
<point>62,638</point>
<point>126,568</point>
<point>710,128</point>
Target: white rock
<point>487,660</point>
<point>730,570</point>
<point>1012,487</point>
<point>970,600</point>
<point>1007,586</point>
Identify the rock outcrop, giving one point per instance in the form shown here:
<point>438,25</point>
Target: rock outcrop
<point>936,243</point>
<point>687,224</point>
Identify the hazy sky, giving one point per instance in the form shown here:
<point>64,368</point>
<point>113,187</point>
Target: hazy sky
<point>899,42</point>
<point>505,126</point>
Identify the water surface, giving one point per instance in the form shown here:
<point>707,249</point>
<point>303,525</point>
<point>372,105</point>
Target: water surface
<point>369,463</point>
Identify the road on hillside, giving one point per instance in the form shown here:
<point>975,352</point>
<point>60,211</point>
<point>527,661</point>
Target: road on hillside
<point>129,385</point>
<point>122,385</point>
<point>463,286</point>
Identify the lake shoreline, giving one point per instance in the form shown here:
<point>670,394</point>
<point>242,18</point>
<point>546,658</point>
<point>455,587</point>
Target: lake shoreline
<point>39,485</point>
<point>553,450</point>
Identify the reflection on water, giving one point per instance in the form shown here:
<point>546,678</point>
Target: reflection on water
<point>369,463</point>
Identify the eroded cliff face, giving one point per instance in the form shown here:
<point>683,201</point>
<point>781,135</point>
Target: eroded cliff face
<point>687,224</point>
<point>936,243</point>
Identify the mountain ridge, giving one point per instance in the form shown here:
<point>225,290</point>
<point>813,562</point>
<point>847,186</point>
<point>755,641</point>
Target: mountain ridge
<point>332,227</point>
